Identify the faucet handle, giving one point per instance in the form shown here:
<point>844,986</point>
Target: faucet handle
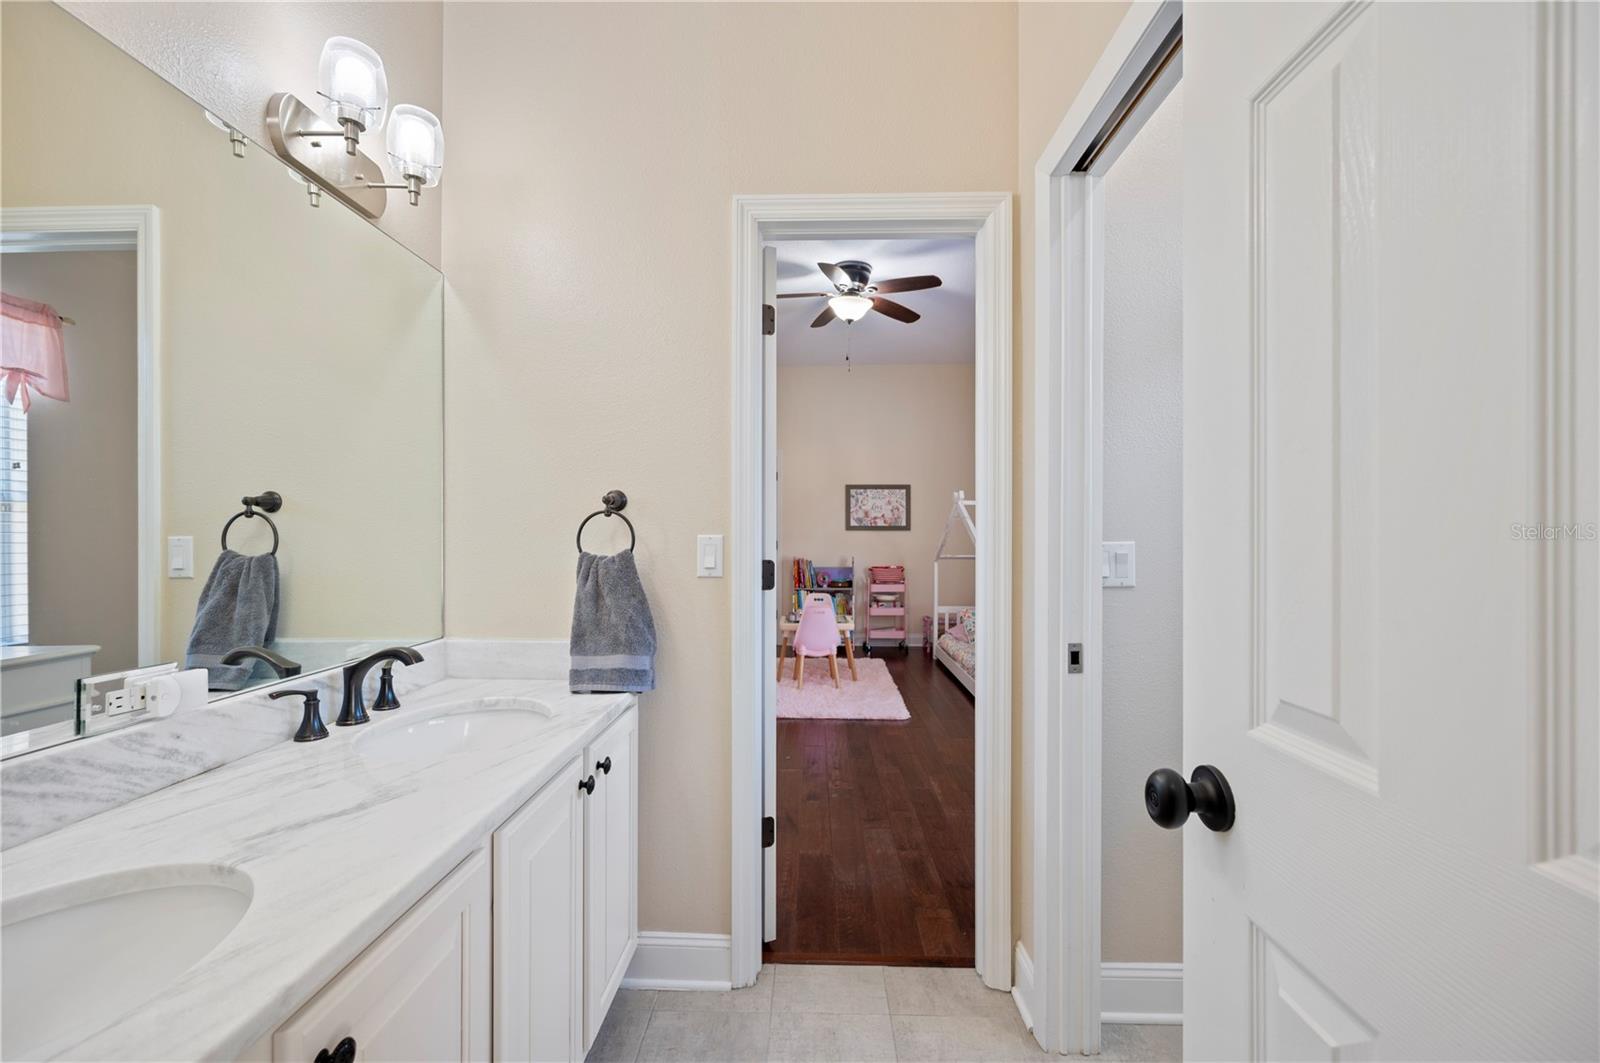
<point>311,726</point>
<point>386,698</point>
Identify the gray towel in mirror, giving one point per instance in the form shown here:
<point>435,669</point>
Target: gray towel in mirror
<point>238,607</point>
<point>613,634</point>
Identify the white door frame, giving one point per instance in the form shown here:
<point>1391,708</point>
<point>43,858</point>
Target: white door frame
<point>986,217</point>
<point>137,229</point>
<point>1065,559</point>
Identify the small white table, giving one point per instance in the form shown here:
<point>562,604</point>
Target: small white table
<point>787,628</point>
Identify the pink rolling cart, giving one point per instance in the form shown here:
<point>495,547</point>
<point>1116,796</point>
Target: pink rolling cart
<point>886,605</point>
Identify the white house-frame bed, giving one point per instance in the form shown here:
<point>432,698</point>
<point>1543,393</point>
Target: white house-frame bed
<point>953,644</point>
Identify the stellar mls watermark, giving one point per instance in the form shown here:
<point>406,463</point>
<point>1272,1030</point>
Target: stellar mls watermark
<point>1586,531</point>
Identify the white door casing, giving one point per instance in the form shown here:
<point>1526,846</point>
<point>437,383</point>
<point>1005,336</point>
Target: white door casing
<point>758,221</point>
<point>769,620</point>
<point>1390,373</point>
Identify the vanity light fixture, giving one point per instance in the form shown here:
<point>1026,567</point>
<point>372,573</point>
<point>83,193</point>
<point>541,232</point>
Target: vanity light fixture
<point>236,138</point>
<point>350,76</point>
<point>352,81</point>
<point>850,308</point>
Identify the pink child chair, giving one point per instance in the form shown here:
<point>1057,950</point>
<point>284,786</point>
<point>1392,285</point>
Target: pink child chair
<point>817,636</point>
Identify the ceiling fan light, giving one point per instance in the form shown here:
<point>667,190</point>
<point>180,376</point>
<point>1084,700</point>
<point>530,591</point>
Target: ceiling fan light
<point>850,307</point>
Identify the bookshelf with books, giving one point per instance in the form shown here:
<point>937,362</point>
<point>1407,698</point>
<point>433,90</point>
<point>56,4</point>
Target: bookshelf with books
<point>836,581</point>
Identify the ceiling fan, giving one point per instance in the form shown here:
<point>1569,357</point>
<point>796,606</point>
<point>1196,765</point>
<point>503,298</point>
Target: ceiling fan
<point>855,295</point>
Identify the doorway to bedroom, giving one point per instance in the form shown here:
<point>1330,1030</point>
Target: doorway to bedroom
<point>876,547</point>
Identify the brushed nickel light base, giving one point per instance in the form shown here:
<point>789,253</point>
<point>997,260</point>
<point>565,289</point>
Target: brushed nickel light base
<point>302,138</point>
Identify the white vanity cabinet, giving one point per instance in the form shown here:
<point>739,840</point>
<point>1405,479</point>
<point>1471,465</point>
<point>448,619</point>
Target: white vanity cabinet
<point>562,873</point>
<point>538,925</point>
<point>611,866</point>
<point>420,992</point>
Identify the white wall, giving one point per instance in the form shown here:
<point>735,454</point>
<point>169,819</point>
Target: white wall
<point>1057,45</point>
<point>875,424</point>
<point>595,153</point>
<point>1142,909</point>
<point>233,56</point>
<point>83,468</point>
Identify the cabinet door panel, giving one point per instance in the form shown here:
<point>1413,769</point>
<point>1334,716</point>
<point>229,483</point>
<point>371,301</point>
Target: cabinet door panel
<point>611,914</point>
<point>538,926</point>
<point>421,992</point>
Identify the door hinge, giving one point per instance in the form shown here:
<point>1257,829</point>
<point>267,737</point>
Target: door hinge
<point>769,575</point>
<point>769,832</point>
<point>1074,657</point>
<point>769,320</point>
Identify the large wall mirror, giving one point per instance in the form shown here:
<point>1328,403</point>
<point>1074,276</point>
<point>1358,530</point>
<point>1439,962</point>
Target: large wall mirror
<point>185,331</point>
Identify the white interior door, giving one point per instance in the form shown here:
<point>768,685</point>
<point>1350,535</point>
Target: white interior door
<point>1389,367</point>
<point>769,599</point>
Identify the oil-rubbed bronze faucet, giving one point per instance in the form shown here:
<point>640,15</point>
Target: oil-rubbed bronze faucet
<point>353,707</point>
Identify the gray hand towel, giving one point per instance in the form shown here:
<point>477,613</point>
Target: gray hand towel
<point>238,607</point>
<point>613,633</point>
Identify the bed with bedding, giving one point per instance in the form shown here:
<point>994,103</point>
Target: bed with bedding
<point>955,644</point>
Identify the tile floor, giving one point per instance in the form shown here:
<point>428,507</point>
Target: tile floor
<point>846,1013</point>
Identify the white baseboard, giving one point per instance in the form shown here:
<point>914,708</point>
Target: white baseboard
<point>1146,993</point>
<point>1022,989</point>
<point>681,961</point>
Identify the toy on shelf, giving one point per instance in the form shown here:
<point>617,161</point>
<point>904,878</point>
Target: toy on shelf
<point>886,605</point>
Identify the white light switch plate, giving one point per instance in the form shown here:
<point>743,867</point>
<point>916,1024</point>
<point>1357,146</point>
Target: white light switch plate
<point>180,557</point>
<point>708,556</point>
<point>1116,565</point>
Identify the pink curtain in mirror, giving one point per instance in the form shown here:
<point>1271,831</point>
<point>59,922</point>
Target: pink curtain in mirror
<point>32,358</point>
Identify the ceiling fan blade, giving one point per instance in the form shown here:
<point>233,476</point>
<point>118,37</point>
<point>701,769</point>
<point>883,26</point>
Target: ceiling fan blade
<point>834,274</point>
<point>823,318</point>
<point>890,308</point>
<point>805,295</point>
<point>908,284</point>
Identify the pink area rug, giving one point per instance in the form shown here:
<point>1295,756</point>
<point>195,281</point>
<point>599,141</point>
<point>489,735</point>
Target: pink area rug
<point>872,697</point>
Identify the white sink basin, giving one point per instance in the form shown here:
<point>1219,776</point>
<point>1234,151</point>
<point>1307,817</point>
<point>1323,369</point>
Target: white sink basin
<point>452,728</point>
<point>75,957</point>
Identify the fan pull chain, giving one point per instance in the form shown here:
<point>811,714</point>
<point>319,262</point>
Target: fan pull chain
<point>848,332</point>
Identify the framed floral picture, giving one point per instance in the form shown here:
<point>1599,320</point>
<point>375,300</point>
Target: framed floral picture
<point>877,507</point>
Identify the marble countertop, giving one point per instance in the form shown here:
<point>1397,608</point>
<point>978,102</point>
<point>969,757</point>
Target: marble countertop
<point>336,847</point>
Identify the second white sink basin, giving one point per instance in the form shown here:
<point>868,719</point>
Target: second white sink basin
<point>452,728</point>
<point>76,957</point>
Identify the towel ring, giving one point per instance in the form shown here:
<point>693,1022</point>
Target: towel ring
<point>614,502</point>
<point>266,502</point>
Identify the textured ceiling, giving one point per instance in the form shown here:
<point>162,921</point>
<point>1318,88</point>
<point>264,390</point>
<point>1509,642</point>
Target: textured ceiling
<point>945,333</point>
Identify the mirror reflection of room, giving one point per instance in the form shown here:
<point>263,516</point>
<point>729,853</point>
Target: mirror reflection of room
<point>191,343</point>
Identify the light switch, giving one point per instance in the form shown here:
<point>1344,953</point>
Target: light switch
<point>708,556</point>
<point>1116,565</point>
<point>180,557</point>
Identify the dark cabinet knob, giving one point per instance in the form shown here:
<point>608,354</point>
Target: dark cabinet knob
<point>587,785</point>
<point>603,765</point>
<point>1169,799</point>
<point>343,1052</point>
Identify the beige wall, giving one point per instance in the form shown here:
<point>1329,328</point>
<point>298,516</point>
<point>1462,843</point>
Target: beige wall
<point>876,424</point>
<point>1057,45</point>
<point>83,469</point>
<point>233,56</point>
<point>300,348</point>
<point>1142,679</point>
<point>595,152</point>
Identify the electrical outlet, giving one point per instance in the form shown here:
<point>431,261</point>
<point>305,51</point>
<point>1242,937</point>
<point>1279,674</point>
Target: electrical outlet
<point>116,698</point>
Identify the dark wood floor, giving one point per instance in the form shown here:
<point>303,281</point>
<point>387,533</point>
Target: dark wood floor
<point>875,851</point>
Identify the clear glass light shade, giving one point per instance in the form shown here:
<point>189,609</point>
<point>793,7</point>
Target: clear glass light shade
<point>850,307</point>
<point>350,76</point>
<point>416,143</point>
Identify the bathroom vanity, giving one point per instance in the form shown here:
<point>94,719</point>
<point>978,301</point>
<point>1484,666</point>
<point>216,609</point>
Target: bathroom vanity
<point>455,880</point>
